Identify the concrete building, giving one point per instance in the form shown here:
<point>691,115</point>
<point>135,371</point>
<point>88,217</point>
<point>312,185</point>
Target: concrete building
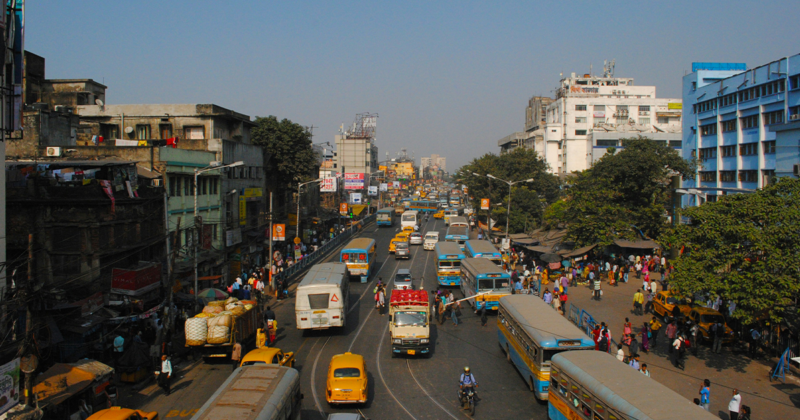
<point>588,108</point>
<point>511,142</point>
<point>434,160</point>
<point>735,117</point>
<point>535,121</point>
<point>355,155</point>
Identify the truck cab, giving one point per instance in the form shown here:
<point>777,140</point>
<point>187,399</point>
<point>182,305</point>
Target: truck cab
<point>409,322</point>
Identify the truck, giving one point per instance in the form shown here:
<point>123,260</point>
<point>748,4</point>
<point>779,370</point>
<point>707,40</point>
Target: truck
<point>409,322</point>
<point>243,328</point>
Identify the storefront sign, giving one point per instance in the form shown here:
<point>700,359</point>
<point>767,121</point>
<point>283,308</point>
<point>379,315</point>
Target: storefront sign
<point>9,385</point>
<point>328,184</point>
<point>675,105</point>
<point>135,279</point>
<point>384,187</point>
<point>355,198</point>
<point>233,237</point>
<point>484,204</point>
<point>253,192</point>
<point>373,190</point>
<point>353,181</point>
<point>242,210</point>
<point>343,209</point>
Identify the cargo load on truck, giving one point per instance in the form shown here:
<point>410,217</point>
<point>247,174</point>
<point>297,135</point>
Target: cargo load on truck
<point>409,322</point>
<point>221,324</point>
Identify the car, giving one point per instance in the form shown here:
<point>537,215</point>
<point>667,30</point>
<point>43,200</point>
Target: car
<point>401,250</point>
<point>431,238</point>
<point>345,416</point>
<point>393,244</point>
<point>119,413</point>
<point>402,235</point>
<point>665,302</point>
<point>439,214</point>
<point>268,356</point>
<point>705,318</point>
<point>408,229</point>
<point>347,380</point>
<point>415,239</point>
<point>402,279</point>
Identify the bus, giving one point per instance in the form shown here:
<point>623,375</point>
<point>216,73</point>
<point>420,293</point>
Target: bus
<point>531,332</point>
<point>595,385</point>
<point>483,249</point>
<point>423,206</point>
<point>450,212</point>
<point>257,392</point>
<point>455,200</point>
<point>457,234</point>
<point>409,218</point>
<point>360,257</point>
<point>458,221</point>
<point>479,275</point>
<point>385,217</point>
<point>448,263</point>
<point>322,296</point>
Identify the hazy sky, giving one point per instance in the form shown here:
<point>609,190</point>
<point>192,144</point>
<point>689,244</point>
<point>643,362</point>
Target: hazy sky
<point>445,77</point>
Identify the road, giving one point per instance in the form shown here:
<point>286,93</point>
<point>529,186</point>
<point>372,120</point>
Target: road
<point>399,388</point>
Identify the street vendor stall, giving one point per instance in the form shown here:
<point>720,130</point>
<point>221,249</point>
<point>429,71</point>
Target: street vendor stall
<point>60,389</point>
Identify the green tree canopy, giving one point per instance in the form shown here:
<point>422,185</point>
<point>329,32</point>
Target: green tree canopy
<point>744,248</point>
<point>528,200</point>
<point>625,194</point>
<point>289,145</point>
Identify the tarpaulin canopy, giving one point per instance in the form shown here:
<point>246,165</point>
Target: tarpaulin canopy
<point>519,236</point>
<point>64,380</point>
<point>358,208</point>
<point>580,251</point>
<point>525,241</point>
<point>539,248</point>
<point>550,258</point>
<point>643,244</point>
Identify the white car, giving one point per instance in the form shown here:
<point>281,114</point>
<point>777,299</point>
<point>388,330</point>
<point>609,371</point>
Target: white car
<point>415,239</point>
<point>431,238</point>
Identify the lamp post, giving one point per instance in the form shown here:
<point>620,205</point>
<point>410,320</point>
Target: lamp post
<point>212,167</point>
<point>510,184</point>
<point>369,184</point>
<point>297,231</point>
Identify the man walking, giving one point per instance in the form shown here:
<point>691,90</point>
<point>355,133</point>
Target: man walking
<point>638,299</point>
<point>733,406</point>
<point>655,326</point>
<point>672,330</point>
<point>717,330</point>
<point>705,394</point>
<point>677,353</point>
<point>269,328</point>
<point>597,290</point>
<point>165,375</point>
<point>236,355</point>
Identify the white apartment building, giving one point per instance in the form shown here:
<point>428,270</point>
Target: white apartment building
<point>433,160</point>
<point>593,113</point>
<point>355,155</point>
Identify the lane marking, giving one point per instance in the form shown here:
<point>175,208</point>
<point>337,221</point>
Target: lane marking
<point>314,376</point>
<point>426,391</point>
<point>380,373</point>
<point>352,343</point>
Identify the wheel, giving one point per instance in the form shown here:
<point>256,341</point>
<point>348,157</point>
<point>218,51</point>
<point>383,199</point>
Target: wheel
<point>472,407</point>
<point>508,353</point>
<point>530,384</point>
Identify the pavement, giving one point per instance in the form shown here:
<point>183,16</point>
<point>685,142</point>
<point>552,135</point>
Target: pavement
<point>726,371</point>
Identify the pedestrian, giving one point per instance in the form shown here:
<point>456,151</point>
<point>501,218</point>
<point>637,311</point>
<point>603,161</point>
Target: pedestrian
<point>627,329</point>
<point>733,406</point>
<point>705,395</point>
<point>638,268</point>
<point>563,298</point>
<point>557,301</point>
<point>645,338</point>
<point>655,326</point>
<point>236,355</point>
<point>270,325</point>
<point>620,353</point>
<point>634,363</point>
<point>603,344</point>
<point>482,310</point>
<point>380,299</point>
<point>454,308</point>
<point>717,331</point>
<point>694,331</point>
<point>597,291</point>
<point>638,299</point>
<point>677,352</point>
<point>653,287</point>
<point>634,346</point>
<point>165,374</point>
<point>672,330</point>
<point>443,309</point>
<point>753,339</point>
<point>548,298</point>
<point>644,370</point>
<point>596,337</point>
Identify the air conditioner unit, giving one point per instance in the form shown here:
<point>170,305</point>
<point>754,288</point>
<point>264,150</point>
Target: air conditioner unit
<point>794,117</point>
<point>155,183</point>
<point>796,170</point>
<point>53,151</point>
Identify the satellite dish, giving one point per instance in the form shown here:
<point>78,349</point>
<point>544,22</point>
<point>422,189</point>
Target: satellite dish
<point>99,102</point>
<point>128,130</point>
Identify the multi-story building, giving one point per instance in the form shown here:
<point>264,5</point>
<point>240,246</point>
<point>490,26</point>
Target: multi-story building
<point>434,160</point>
<point>355,155</point>
<point>591,113</point>
<point>735,118</point>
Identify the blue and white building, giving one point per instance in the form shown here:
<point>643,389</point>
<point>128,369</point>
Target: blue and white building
<point>731,115</point>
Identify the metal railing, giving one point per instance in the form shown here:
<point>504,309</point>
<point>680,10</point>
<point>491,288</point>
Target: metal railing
<point>585,321</point>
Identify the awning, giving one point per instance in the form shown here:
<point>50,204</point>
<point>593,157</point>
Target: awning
<point>519,236</point>
<point>645,244</point>
<point>64,380</point>
<point>358,208</point>
<point>540,249</point>
<point>525,241</point>
<point>580,251</point>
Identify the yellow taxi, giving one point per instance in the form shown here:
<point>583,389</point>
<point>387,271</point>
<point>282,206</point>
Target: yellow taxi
<point>403,235</point>
<point>664,303</point>
<point>393,244</point>
<point>705,318</point>
<point>119,413</point>
<point>407,229</point>
<point>347,379</point>
<point>439,214</point>
<point>268,356</point>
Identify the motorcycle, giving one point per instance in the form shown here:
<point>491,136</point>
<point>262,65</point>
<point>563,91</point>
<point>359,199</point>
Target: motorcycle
<point>467,399</point>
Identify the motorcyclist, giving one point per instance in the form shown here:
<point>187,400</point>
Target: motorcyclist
<point>467,382</point>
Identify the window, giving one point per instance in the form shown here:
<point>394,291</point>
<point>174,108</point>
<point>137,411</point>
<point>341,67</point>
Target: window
<point>644,108</point>
<point>663,120</point>
<point>173,187</point>
<point>708,176</point>
<point>580,132</point>
<point>580,107</point>
<point>727,100</point>
<point>728,151</point>
<point>794,82</point>
<point>644,121</point>
<point>611,143</point>
<point>762,90</point>
<point>704,106</point>
<point>727,176</point>
<point>767,176</point>
<point>621,120</point>
<point>749,122</point>
<point>580,120</point>
<point>186,185</point>
<point>194,133</point>
<point>109,131</point>
<point>165,130</point>
<point>708,153</point>
<point>748,176</point>
<point>676,144</point>
<point>142,132</point>
<point>769,147</point>
<point>214,186</point>
<point>599,108</point>
<point>748,149</point>
<point>773,117</point>
<point>708,129</point>
<point>728,126</point>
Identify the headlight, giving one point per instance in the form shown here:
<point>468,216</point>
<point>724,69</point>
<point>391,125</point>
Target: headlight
<point>397,341</point>
<point>424,341</point>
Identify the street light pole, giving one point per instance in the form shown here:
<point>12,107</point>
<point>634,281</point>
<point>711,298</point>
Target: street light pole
<point>297,230</point>
<point>369,184</point>
<point>214,166</point>
<point>510,184</point>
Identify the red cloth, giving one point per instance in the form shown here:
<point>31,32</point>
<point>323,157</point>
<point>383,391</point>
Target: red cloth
<point>172,141</point>
<point>100,139</point>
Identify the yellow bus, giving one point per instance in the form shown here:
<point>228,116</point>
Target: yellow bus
<point>360,257</point>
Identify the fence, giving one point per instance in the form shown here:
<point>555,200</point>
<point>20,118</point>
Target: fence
<point>313,257</point>
<point>585,321</point>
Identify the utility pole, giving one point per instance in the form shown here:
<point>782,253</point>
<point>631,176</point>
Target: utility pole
<point>269,257</point>
<point>29,323</point>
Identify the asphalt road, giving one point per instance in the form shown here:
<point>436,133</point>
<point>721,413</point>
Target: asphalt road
<point>399,388</point>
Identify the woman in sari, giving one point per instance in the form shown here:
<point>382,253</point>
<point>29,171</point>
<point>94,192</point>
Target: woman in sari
<point>646,338</point>
<point>627,329</point>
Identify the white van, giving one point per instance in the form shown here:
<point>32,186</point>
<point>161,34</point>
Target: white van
<point>431,238</point>
<point>322,297</point>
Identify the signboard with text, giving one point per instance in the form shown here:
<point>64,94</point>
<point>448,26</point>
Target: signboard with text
<point>373,190</point>
<point>328,184</point>
<point>278,232</point>
<point>384,186</point>
<point>353,181</point>
<point>484,204</point>
<point>9,385</point>
<point>343,209</point>
<point>355,198</point>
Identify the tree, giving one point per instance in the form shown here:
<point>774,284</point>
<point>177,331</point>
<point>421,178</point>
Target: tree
<point>289,146</point>
<point>528,199</point>
<point>745,249</point>
<point>625,194</point>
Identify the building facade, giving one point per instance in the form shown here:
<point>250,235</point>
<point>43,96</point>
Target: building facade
<point>734,117</point>
<point>589,105</point>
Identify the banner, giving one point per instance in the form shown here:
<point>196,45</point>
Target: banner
<point>9,385</point>
<point>278,232</point>
<point>355,198</point>
<point>484,204</point>
<point>353,181</point>
<point>395,184</point>
<point>373,190</point>
<point>384,186</point>
<point>242,210</point>
<point>343,209</point>
<point>328,184</point>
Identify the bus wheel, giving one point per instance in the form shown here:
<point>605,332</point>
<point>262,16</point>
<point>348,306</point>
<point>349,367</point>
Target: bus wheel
<point>530,384</point>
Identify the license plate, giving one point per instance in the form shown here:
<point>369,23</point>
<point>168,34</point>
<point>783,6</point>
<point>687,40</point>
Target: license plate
<point>319,312</point>
<point>412,352</point>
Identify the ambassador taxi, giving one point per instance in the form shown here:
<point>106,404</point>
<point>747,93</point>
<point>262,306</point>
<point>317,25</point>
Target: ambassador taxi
<point>347,379</point>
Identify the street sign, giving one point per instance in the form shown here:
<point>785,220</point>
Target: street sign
<point>373,190</point>
<point>279,232</point>
<point>343,209</point>
<point>297,240</point>
<point>484,204</point>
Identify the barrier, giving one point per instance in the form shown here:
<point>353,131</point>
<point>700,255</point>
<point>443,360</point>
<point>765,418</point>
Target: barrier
<point>585,321</point>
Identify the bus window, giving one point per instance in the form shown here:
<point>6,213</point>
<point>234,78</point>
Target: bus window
<point>319,301</point>
<point>485,284</point>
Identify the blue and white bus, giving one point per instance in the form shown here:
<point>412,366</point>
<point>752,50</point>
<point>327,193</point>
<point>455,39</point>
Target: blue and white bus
<point>474,248</point>
<point>448,263</point>
<point>457,234</point>
<point>423,206</point>
<point>531,332</point>
<point>479,275</point>
<point>360,257</point>
<point>385,217</point>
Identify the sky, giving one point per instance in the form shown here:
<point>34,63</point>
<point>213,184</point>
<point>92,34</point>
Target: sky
<point>445,77</point>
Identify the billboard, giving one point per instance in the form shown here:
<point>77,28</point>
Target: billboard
<point>278,232</point>
<point>373,190</point>
<point>355,198</point>
<point>484,204</point>
<point>353,181</point>
<point>9,385</point>
<point>396,184</point>
<point>343,209</point>
<point>328,184</point>
<point>384,186</point>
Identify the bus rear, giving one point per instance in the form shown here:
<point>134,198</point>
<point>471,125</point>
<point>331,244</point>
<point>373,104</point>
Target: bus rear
<point>385,217</point>
<point>483,249</point>
<point>448,264</point>
<point>321,297</point>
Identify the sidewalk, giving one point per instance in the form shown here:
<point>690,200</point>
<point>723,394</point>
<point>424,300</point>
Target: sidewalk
<point>725,371</point>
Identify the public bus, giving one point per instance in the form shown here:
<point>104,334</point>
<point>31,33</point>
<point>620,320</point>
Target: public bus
<point>385,217</point>
<point>483,249</point>
<point>595,385</point>
<point>457,234</point>
<point>479,275</point>
<point>257,392</point>
<point>455,200</point>
<point>409,218</point>
<point>449,213</point>
<point>531,332</point>
<point>360,257</point>
<point>423,206</point>
<point>458,221</point>
<point>322,296</point>
<point>448,263</point>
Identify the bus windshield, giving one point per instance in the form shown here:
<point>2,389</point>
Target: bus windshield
<point>409,218</point>
<point>449,264</point>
